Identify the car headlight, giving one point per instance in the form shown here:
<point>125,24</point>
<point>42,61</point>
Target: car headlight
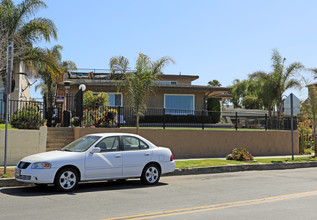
<point>41,165</point>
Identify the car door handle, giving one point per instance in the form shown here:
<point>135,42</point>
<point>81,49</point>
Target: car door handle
<point>147,154</point>
<point>117,156</point>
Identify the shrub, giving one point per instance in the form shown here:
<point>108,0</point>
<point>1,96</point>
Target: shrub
<point>100,117</point>
<point>27,118</point>
<point>75,121</point>
<point>91,100</point>
<point>214,108</point>
<point>107,118</point>
<point>240,154</point>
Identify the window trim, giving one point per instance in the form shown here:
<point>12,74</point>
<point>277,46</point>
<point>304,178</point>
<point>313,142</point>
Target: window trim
<point>148,147</point>
<point>116,136</point>
<point>166,82</point>
<point>116,93</point>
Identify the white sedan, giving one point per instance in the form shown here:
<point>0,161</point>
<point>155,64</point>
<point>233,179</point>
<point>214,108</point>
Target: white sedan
<point>104,156</point>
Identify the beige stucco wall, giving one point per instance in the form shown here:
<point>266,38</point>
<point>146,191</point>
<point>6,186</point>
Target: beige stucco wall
<point>22,143</point>
<point>208,143</point>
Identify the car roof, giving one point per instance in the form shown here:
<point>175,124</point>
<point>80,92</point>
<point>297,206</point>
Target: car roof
<point>123,134</point>
<point>112,134</point>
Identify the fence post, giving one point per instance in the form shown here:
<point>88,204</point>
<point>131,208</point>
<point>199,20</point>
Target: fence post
<point>119,116</point>
<point>265,126</point>
<point>164,118</point>
<point>202,120</point>
<point>236,121</point>
<point>79,106</point>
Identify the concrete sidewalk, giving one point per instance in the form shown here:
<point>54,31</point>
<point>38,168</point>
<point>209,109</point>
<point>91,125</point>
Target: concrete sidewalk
<point>260,157</point>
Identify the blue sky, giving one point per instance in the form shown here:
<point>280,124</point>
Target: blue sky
<point>221,40</point>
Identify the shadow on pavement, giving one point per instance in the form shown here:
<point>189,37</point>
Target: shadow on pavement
<point>32,191</point>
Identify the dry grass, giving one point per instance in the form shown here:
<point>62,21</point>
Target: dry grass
<point>9,173</point>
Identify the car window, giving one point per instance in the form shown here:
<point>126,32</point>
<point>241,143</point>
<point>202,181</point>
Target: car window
<point>143,145</point>
<point>81,144</point>
<point>133,143</point>
<point>109,144</point>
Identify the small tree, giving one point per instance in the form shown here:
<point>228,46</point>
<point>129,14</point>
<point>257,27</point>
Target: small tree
<point>213,107</point>
<point>96,110</point>
<point>93,101</point>
<point>310,105</point>
<point>139,85</point>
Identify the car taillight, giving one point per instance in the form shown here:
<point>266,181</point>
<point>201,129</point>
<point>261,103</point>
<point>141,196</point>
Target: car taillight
<point>171,159</point>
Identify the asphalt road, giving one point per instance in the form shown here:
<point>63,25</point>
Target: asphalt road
<point>279,194</point>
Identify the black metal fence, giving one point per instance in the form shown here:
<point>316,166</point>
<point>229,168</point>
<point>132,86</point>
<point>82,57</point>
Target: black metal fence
<point>70,111</point>
<point>23,112</point>
<point>100,116</point>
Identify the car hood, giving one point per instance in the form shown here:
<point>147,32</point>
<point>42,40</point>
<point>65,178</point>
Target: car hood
<point>51,156</point>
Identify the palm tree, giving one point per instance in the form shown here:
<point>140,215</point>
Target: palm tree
<point>49,66</point>
<point>214,83</point>
<point>17,29</point>
<point>139,85</point>
<point>119,64</point>
<point>279,80</point>
<point>266,91</point>
<point>46,62</point>
<point>43,88</point>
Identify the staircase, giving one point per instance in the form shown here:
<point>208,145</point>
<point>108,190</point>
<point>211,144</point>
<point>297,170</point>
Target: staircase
<point>58,138</point>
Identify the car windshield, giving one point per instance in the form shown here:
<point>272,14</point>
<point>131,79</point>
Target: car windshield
<point>81,144</point>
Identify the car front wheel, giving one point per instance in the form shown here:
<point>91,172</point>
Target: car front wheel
<point>66,179</point>
<point>151,174</point>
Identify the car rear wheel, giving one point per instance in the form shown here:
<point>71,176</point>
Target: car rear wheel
<point>151,174</point>
<point>66,179</point>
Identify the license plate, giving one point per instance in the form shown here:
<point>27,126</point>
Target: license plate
<point>18,172</point>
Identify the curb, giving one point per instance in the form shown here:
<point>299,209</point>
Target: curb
<point>9,182</point>
<point>237,168</point>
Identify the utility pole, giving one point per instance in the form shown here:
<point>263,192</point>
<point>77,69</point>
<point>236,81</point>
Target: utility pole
<point>292,129</point>
<point>8,91</point>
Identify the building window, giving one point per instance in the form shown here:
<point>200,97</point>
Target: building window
<point>165,82</point>
<point>115,99</point>
<point>179,104</point>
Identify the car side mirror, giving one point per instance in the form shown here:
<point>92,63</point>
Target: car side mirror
<point>95,150</point>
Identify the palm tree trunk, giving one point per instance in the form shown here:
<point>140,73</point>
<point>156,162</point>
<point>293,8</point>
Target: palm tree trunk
<point>314,135</point>
<point>270,116</point>
<point>280,111</point>
<point>137,122</point>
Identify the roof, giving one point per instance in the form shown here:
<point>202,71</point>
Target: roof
<point>104,79</point>
<point>168,76</point>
